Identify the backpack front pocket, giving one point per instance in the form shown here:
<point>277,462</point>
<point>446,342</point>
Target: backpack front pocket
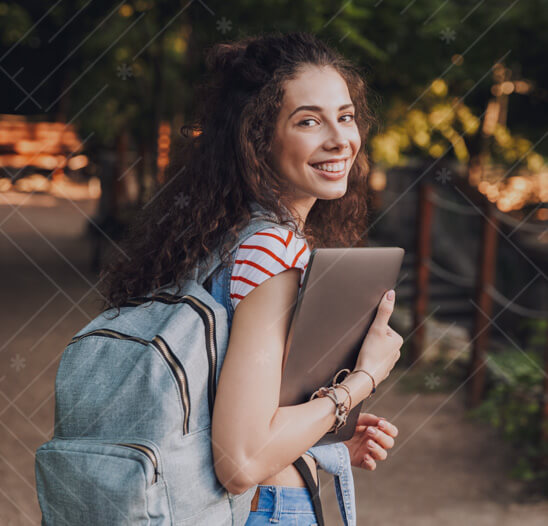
<point>85,481</point>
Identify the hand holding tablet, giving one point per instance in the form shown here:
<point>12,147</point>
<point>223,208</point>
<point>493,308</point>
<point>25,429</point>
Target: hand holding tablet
<point>342,289</point>
<point>380,348</point>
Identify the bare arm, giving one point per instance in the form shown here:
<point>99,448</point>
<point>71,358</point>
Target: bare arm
<point>252,437</point>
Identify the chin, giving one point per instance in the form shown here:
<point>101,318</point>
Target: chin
<point>332,193</point>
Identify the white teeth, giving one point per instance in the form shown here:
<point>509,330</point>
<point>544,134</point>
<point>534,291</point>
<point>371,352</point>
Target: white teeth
<point>331,167</point>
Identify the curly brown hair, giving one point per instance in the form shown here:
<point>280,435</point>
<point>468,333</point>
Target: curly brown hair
<point>222,163</point>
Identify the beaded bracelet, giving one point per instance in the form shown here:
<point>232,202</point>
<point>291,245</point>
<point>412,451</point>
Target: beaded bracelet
<point>347,389</point>
<point>341,411</point>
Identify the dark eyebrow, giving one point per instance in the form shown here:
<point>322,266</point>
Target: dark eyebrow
<point>316,108</point>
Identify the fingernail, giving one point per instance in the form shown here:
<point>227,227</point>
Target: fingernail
<point>371,431</point>
<point>370,443</point>
<point>382,424</point>
<point>390,294</point>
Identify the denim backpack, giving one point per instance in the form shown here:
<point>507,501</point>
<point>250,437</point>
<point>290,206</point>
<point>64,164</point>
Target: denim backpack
<point>134,397</point>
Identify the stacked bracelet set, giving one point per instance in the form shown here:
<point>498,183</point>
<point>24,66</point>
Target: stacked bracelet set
<point>341,410</point>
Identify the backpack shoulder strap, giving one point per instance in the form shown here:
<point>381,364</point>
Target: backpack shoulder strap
<point>314,489</point>
<point>258,222</point>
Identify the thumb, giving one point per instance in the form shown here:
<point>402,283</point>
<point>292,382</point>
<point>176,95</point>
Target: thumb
<point>385,309</point>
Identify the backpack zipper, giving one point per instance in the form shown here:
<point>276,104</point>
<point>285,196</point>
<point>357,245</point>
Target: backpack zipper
<point>208,317</point>
<point>172,360</point>
<point>209,321</point>
<point>149,453</point>
<point>180,375</point>
<point>109,333</point>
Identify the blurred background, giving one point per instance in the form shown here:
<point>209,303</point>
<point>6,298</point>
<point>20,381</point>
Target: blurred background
<point>93,96</point>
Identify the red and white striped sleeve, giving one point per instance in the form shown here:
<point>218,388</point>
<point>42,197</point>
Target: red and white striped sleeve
<point>263,255</point>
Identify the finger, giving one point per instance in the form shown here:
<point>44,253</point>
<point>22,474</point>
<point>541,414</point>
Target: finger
<point>367,419</point>
<point>388,428</point>
<point>380,437</point>
<point>384,311</point>
<point>376,451</point>
<point>369,462</point>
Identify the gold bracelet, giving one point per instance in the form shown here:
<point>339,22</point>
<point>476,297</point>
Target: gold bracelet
<point>372,379</point>
<point>356,371</point>
<point>337,375</point>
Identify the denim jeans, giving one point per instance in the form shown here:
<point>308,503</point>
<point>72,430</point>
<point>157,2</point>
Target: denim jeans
<point>283,505</point>
<point>332,458</point>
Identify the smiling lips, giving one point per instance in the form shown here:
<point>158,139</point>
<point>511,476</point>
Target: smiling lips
<point>332,169</point>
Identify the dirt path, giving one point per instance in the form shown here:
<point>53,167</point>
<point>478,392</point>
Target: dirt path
<point>444,469</point>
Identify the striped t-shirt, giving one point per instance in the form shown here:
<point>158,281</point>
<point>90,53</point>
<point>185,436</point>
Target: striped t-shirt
<point>263,255</point>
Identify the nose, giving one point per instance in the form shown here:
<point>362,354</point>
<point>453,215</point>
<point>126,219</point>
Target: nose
<point>337,140</point>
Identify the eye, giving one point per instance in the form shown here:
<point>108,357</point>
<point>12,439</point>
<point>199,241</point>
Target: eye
<point>306,120</point>
<point>313,120</point>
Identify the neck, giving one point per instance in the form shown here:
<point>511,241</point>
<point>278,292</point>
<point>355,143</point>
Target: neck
<point>300,208</point>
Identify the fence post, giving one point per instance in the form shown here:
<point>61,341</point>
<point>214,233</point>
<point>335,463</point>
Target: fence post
<point>422,269</point>
<point>485,279</point>
<point>544,419</point>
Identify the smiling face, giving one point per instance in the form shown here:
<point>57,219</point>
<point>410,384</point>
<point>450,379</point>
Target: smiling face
<point>316,139</point>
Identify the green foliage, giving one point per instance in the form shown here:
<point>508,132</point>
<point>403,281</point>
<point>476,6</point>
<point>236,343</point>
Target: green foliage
<point>537,330</point>
<point>439,375</point>
<point>128,66</point>
<point>437,124</point>
<point>440,124</point>
<point>513,405</point>
<point>15,21</point>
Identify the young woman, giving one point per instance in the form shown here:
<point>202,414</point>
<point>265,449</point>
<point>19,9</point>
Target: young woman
<point>280,131</point>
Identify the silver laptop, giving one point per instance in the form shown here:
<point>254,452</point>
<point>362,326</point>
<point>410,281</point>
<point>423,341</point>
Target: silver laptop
<point>341,291</point>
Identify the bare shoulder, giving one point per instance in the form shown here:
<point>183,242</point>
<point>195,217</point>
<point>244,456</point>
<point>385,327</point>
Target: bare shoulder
<point>267,310</point>
<point>262,318</point>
